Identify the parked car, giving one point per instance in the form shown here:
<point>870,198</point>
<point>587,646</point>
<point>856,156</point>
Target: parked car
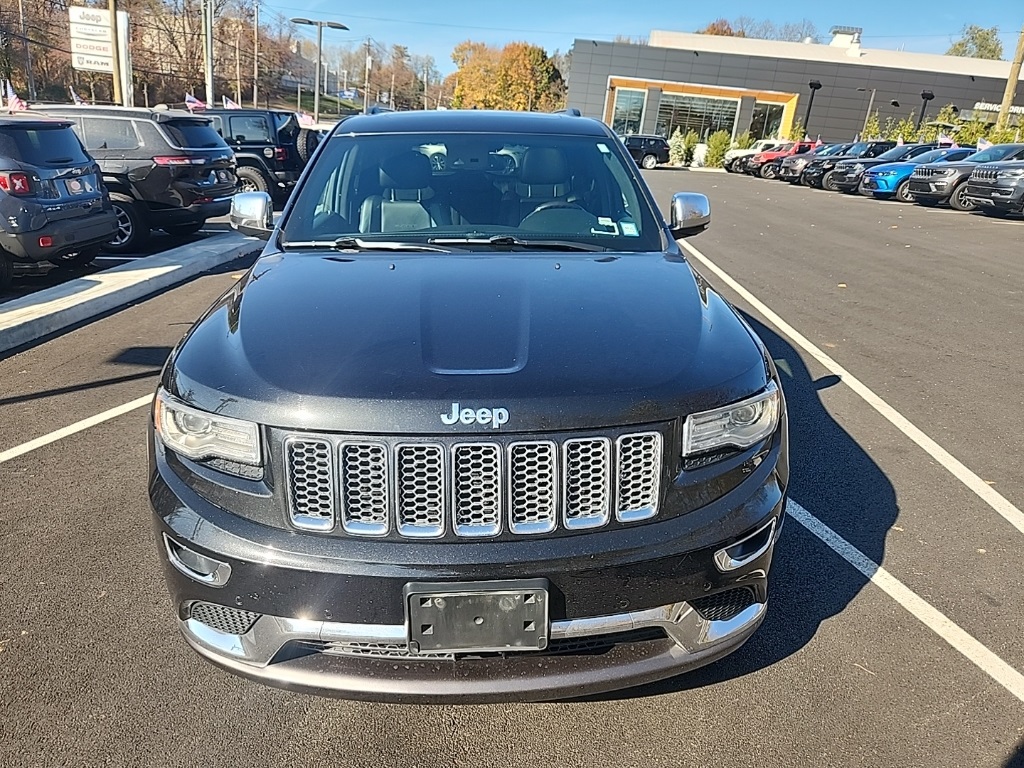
<point>792,167</point>
<point>762,164</point>
<point>165,169</point>
<point>997,189</point>
<point>647,151</point>
<point>52,198</point>
<point>820,172</point>
<point>270,146</point>
<point>388,463</point>
<point>848,174</point>
<point>932,185</point>
<point>890,180</point>
<point>733,156</point>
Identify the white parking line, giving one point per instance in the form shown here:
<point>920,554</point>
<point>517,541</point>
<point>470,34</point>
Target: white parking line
<point>960,471</point>
<point>978,654</point>
<point>78,426</point>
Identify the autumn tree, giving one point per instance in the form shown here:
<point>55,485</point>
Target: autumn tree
<point>520,76</point>
<point>745,26</point>
<point>720,27</point>
<point>978,43</point>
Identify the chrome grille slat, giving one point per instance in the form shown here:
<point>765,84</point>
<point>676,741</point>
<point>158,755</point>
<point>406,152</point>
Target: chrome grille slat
<point>310,468</point>
<point>638,458</point>
<point>476,489</point>
<point>365,500</point>
<point>420,489</point>
<point>376,486</point>
<point>586,487</point>
<point>988,174</point>
<point>533,486</point>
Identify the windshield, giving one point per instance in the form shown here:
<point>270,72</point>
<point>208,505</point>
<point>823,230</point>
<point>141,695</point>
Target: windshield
<point>994,154</point>
<point>858,149</point>
<point>56,145</point>
<point>936,155</point>
<point>194,134</point>
<point>896,153</point>
<point>420,187</point>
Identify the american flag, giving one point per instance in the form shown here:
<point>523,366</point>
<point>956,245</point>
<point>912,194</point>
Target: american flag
<point>818,143</point>
<point>229,104</point>
<point>983,144</point>
<point>14,102</point>
<point>192,103</point>
<point>75,98</point>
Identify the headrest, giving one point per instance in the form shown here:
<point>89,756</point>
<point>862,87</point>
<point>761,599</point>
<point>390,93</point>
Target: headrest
<point>408,170</point>
<point>544,165</point>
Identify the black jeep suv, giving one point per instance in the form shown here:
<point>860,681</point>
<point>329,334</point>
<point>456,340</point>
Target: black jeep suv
<point>473,433</point>
<point>52,203</point>
<point>165,169</point>
<point>270,147</point>
<point>647,151</point>
<point>821,171</point>
<point>936,183</point>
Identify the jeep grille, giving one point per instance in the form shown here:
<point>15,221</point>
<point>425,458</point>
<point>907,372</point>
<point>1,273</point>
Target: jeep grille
<point>429,489</point>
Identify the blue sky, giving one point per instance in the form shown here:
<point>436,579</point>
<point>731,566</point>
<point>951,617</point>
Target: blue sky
<point>436,27</point>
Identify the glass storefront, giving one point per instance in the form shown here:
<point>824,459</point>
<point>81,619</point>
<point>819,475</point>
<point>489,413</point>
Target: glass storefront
<point>628,111</point>
<point>766,121</point>
<point>704,114</point>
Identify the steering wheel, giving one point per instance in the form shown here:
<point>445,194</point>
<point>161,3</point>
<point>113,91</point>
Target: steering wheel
<point>556,205</point>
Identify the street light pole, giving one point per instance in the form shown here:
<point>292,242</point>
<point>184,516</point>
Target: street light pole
<point>814,85</point>
<point>319,56</point>
<point>926,96</point>
<point>871,104</point>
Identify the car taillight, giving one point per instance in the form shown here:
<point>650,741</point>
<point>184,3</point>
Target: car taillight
<point>281,153</point>
<point>16,183</point>
<point>179,160</point>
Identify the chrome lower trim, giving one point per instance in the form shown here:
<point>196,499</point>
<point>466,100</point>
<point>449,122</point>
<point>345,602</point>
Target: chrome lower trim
<point>725,562</point>
<point>217,574</point>
<point>258,647</point>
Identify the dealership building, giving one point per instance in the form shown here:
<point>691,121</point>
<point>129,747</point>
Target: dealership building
<point>710,83</point>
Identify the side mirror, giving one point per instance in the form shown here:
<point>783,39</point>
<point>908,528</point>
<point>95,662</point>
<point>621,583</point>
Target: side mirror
<point>690,215</point>
<point>252,214</point>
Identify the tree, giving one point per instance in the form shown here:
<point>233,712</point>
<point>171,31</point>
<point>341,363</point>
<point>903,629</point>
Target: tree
<point>520,76</point>
<point>872,128</point>
<point>978,43</point>
<point>722,28</point>
<point>798,132</point>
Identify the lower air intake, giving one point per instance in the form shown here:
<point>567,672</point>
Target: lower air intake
<point>222,618</point>
<point>724,605</point>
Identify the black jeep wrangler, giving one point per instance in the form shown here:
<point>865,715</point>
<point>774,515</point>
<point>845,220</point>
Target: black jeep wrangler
<point>473,432</point>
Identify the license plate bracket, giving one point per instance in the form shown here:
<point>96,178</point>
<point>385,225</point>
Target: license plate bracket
<point>477,617</point>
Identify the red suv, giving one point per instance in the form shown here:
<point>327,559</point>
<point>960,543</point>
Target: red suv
<point>764,164</point>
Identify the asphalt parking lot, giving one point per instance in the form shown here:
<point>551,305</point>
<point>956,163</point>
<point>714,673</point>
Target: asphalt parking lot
<point>899,333</point>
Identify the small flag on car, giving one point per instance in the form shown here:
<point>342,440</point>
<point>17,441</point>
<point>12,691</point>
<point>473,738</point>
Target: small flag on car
<point>819,142</point>
<point>983,144</point>
<point>14,102</point>
<point>75,98</point>
<point>192,103</point>
<point>229,104</point>
<point>899,142</point>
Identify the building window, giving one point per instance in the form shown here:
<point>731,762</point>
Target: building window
<point>628,112</point>
<point>766,121</point>
<point>703,114</point>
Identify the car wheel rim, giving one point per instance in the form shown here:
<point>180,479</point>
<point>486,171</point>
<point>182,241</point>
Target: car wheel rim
<point>247,185</point>
<point>124,227</point>
<point>649,162</point>
<point>961,198</point>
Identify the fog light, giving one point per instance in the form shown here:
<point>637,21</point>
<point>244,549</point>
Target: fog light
<point>199,567</point>
<point>746,550</point>
<point>45,242</point>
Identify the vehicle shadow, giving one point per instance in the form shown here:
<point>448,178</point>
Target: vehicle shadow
<point>838,482</point>
<point>1017,758</point>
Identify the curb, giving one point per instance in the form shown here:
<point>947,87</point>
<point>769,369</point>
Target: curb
<point>40,314</point>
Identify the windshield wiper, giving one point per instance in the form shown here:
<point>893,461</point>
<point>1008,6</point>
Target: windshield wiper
<point>358,244</point>
<point>509,241</point>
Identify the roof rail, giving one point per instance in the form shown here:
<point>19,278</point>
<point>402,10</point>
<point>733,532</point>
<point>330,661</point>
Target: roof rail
<point>568,111</point>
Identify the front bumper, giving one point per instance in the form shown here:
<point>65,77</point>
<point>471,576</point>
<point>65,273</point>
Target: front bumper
<point>1004,194</point>
<point>328,614</point>
<point>849,181</point>
<point>879,186</point>
<point>813,176</point>
<point>68,236</point>
<point>935,188</point>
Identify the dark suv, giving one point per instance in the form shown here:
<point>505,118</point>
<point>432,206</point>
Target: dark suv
<point>820,172</point>
<point>52,203</point>
<point>165,169</point>
<point>469,433</point>
<point>647,151</point>
<point>997,189</point>
<point>849,174</point>
<point>270,147</point>
<point>937,183</point>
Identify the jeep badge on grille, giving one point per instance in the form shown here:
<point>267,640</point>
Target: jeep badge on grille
<point>483,416</point>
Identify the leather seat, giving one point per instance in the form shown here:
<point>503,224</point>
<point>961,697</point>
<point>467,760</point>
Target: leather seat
<point>543,178</point>
<point>406,202</point>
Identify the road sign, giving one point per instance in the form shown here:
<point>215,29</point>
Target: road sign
<point>92,48</point>
<point>90,32</point>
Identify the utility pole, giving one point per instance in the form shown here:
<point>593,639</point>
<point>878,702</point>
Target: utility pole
<point>1011,83</point>
<point>366,79</point>
<point>28,53</point>
<point>207,47</point>
<point>115,51</point>
<point>426,82</point>
<point>255,56</point>
<point>238,63</point>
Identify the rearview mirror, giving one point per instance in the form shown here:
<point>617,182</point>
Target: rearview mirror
<point>252,214</point>
<point>690,214</point>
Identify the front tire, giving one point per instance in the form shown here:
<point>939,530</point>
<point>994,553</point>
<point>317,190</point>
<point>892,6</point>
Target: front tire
<point>252,180</point>
<point>958,200</point>
<point>649,162</point>
<point>903,192</point>
<point>829,182</point>
<point>132,230</point>
<point>767,171</point>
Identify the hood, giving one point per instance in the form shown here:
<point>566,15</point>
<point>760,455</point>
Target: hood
<point>386,343</point>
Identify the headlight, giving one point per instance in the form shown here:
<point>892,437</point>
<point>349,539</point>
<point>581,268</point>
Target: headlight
<point>886,173</point>
<point>1016,173</point>
<point>828,163</point>
<point>858,168</point>
<point>798,164</point>
<point>200,435</point>
<point>739,425</point>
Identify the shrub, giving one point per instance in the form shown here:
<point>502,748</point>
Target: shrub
<point>905,129</point>
<point>677,148</point>
<point>744,141</point>
<point>872,128</point>
<point>690,141</point>
<point>969,132</point>
<point>718,144</point>
<point>798,132</point>
<point>1003,135</point>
